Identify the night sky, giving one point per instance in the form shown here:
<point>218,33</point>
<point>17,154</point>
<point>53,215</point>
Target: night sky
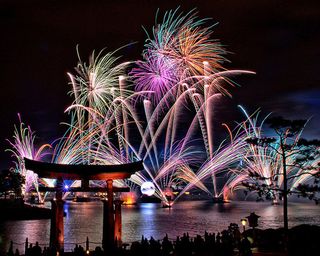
<point>280,40</point>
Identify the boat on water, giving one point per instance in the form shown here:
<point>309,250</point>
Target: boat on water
<point>166,205</point>
<point>82,199</point>
<point>149,199</point>
<point>219,200</point>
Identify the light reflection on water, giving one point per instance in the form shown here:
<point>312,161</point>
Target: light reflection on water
<point>85,219</point>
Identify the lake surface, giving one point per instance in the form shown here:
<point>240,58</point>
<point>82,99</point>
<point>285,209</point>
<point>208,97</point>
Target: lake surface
<point>85,219</point>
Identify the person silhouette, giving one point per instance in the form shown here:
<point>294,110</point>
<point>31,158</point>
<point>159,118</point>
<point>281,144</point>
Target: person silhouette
<point>36,250</point>
<point>245,247</point>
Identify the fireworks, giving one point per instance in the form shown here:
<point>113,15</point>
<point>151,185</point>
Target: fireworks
<point>156,75</point>
<point>96,84</point>
<point>187,41</point>
<point>23,146</point>
<point>167,121</point>
<point>267,164</point>
<point>178,50</point>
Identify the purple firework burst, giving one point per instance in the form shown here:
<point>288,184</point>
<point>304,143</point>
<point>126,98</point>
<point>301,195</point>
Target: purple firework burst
<point>155,74</point>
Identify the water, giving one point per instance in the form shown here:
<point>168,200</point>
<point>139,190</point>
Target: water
<point>85,219</point>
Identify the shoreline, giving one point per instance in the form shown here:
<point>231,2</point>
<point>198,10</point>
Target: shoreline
<point>19,210</point>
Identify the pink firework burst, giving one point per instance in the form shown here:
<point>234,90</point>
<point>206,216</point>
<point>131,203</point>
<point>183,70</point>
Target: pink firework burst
<point>156,75</point>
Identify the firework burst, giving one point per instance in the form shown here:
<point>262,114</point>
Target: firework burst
<point>23,146</point>
<point>97,83</point>
<point>156,75</point>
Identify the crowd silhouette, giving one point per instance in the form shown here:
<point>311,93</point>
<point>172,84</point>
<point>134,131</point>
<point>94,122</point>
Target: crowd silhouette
<point>229,242</point>
<point>301,240</point>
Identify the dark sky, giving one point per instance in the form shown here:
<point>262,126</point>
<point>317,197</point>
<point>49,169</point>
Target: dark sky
<point>277,39</point>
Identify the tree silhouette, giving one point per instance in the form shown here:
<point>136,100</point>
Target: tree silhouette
<point>10,180</point>
<point>302,154</point>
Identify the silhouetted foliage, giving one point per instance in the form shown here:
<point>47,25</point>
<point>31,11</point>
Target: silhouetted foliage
<point>11,181</point>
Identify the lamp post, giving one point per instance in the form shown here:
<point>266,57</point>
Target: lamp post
<point>244,223</point>
<point>253,220</point>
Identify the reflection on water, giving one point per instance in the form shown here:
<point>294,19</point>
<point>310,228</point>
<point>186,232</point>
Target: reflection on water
<point>85,219</point>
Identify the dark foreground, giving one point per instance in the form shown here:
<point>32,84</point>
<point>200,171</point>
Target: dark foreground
<point>302,240</point>
<point>18,210</point>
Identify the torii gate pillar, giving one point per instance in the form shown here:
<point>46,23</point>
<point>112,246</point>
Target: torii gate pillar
<point>57,227</point>
<point>108,242</point>
<point>117,222</point>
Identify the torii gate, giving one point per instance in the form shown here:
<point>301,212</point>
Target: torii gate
<point>111,208</point>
